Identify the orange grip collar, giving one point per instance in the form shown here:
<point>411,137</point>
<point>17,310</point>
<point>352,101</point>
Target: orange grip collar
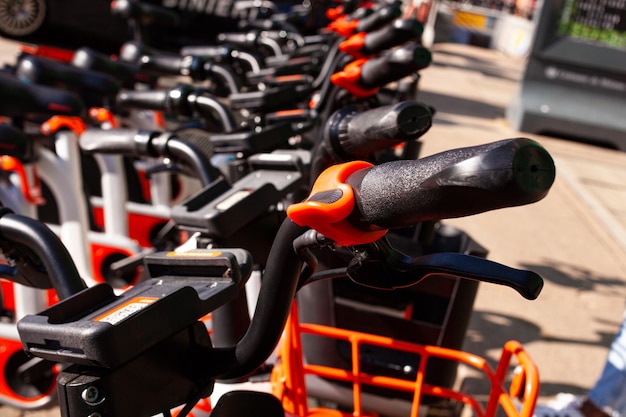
<point>330,204</point>
<point>334,13</point>
<point>353,45</point>
<point>349,77</point>
<point>343,26</point>
<point>101,115</point>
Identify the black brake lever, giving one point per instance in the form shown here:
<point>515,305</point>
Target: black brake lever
<point>170,167</point>
<point>380,266</point>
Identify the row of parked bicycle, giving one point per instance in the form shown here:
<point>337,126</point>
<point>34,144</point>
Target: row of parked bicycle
<point>162,210</point>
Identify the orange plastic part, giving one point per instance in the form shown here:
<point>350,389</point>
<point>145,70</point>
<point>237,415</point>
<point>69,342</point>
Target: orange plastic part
<point>288,375</point>
<point>344,27</point>
<point>353,45</point>
<point>8,295</point>
<point>100,253</point>
<point>349,77</point>
<point>335,13</point>
<point>101,115</point>
<point>140,226</point>
<point>159,119</point>
<point>31,192</point>
<point>289,78</point>
<point>58,54</point>
<point>56,123</point>
<point>329,217</point>
<point>292,112</point>
<point>9,350</point>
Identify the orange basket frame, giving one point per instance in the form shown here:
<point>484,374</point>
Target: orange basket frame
<point>288,375</point>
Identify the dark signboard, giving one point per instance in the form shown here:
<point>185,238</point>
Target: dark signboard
<point>597,22</point>
<point>575,80</point>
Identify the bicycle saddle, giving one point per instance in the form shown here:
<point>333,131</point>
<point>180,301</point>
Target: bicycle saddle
<point>58,74</point>
<point>14,142</point>
<point>18,98</point>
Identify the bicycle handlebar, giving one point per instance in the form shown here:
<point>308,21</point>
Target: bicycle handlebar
<point>378,19</point>
<point>144,99</point>
<point>50,267</point>
<point>226,55</point>
<point>213,52</point>
<point>170,64</point>
<point>181,100</point>
<point>504,173</point>
<point>152,144</point>
<point>380,128</point>
<point>364,77</point>
<point>521,159</point>
<point>355,203</point>
<point>351,135</point>
<point>365,44</point>
<point>146,12</point>
<point>127,73</point>
<point>129,142</point>
<point>365,20</point>
<point>132,52</point>
<point>397,64</point>
<point>455,183</point>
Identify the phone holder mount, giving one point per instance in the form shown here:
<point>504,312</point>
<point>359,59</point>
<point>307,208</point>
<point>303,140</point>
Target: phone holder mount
<point>133,354</point>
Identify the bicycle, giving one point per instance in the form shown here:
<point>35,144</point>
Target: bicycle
<point>147,360</point>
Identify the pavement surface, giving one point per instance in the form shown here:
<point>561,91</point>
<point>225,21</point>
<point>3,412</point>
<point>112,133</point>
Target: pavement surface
<point>575,237</point>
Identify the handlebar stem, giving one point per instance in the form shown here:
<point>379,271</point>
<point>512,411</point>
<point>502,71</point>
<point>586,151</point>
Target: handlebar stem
<point>277,292</point>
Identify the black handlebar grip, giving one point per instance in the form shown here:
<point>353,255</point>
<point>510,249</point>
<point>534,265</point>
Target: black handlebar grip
<point>350,134</point>
<point>394,66</point>
<point>378,19</point>
<point>211,52</point>
<point>148,99</point>
<point>359,13</point>
<point>162,64</point>
<point>242,39</point>
<point>128,74</point>
<point>115,141</point>
<point>148,13</point>
<point>362,133</point>
<point>130,142</point>
<point>132,52</point>
<point>195,154</point>
<point>398,33</point>
<point>455,183</point>
<point>187,65</point>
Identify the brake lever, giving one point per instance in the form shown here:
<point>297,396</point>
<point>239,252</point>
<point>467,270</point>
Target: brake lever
<point>380,266</point>
<point>169,167</point>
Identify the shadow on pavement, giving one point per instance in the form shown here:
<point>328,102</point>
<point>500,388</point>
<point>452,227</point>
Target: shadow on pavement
<point>461,106</point>
<point>569,275</point>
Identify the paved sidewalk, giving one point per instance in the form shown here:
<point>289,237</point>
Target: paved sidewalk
<point>575,237</point>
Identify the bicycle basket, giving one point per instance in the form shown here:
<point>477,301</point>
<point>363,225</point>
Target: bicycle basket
<point>515,397</point>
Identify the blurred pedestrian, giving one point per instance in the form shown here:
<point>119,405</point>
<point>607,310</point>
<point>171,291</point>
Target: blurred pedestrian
<point>607,398</point>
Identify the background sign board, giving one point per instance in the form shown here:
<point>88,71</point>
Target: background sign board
<point>575,80</point>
